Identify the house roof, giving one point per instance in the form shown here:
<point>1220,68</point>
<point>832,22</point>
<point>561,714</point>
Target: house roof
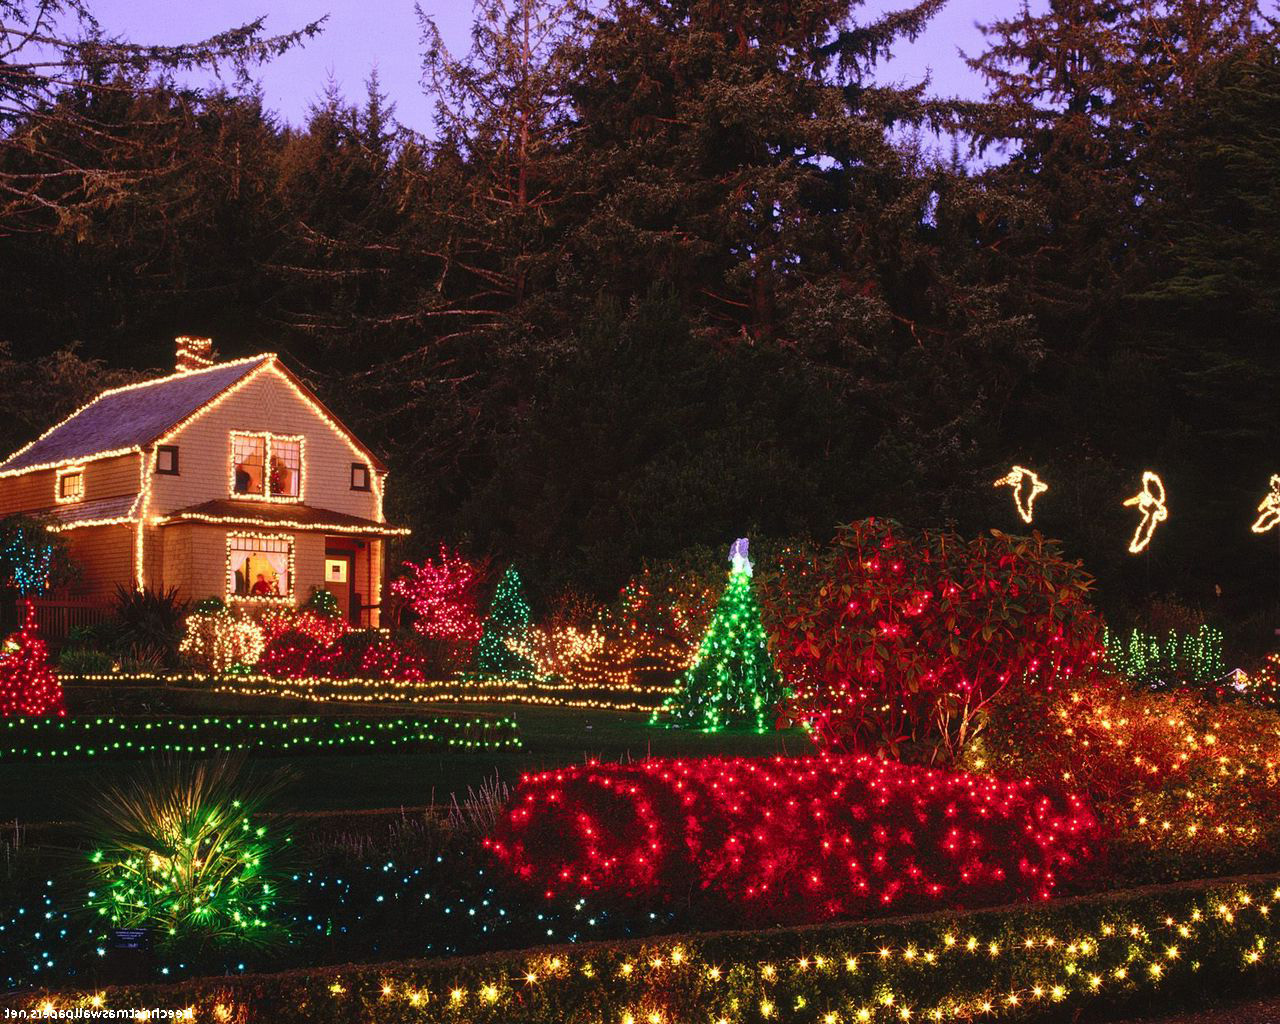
<point>131,417</point>
<point>100,511</point>
<point>278,515</point>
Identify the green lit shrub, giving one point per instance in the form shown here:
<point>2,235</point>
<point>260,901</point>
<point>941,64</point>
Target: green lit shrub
<point>181,849</point>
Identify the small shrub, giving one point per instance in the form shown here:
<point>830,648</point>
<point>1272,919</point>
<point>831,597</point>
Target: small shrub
<point>149,626</point>
<point>222,641</point>
<point>83,661</point>
<point>180,849</point>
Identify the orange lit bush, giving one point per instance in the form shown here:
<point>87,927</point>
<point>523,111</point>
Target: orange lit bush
<point>1181,784</point>
<point>791,839</point>
<point>892,638</point>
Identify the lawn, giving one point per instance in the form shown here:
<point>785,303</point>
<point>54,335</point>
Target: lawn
<point>34,792</point>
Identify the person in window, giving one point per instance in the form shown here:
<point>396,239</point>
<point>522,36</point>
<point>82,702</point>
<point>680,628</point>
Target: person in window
<point>262,587</point>
<point>281,477</point>
<point>243,480</point>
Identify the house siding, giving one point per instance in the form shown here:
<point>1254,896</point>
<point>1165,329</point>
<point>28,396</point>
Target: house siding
<point>266,402</point>
<point>104,557</point>
<point>103,478</point>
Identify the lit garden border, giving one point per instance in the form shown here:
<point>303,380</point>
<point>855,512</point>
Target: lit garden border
<point>646,698</point>
<point>78,738</point>
<point>1149,947</point>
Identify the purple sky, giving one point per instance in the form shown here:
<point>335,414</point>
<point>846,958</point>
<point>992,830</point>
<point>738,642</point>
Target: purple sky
<point>363,33</point>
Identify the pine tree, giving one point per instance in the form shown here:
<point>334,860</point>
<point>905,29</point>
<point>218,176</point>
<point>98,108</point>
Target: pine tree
<point>28,684</point>
<point>732,681</point>
<point>508,619</point>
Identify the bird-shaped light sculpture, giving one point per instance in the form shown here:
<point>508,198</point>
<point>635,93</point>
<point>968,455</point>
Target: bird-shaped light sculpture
<point>1269,509</point>
<point>1150,501</point>
<point>1027,486</point>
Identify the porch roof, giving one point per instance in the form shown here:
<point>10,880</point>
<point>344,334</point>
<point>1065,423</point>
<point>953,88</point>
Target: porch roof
<point>280,516</point>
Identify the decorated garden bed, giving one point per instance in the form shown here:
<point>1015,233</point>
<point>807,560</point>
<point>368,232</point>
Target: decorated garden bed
<point>1054,961</point>
<point>74,738</point>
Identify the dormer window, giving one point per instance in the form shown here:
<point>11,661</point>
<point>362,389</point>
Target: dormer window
<point>69,485</point>
<point>266,466</point>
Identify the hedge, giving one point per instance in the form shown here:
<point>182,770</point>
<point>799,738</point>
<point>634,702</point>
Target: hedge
<point>87,736</point>
<point>1052,961</point>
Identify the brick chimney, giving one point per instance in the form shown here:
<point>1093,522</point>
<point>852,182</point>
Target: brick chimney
<point>192,353</point>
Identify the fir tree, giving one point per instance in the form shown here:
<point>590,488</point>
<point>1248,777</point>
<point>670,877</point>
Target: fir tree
<point>732,681</point>
<point>508,620</point>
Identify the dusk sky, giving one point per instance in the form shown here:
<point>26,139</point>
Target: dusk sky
<point>363,33</point>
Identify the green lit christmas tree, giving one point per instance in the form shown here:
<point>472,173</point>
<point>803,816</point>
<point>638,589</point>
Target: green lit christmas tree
<point>732,681</point>
<point>508,619</point>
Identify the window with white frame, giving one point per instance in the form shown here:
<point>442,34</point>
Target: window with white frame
<point>69,485</point>
<point>259,566</point>
<point>265,465</point>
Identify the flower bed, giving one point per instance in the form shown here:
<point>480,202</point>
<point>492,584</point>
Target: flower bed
<point>1050,961</point>
<point>791,839</point>
<point>82,737</point>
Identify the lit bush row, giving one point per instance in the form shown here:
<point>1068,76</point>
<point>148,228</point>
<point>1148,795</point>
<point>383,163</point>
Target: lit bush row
<point>791,839</point>
<point>75,738</point>
<point>1044,962</point>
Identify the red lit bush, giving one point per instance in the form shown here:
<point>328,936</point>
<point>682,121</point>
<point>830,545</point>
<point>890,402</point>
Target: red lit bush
<point>893,639</point>
<point>791,839</point>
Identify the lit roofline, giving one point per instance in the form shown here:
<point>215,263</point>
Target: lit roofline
<point>265,357</point>
<point>380,529</point>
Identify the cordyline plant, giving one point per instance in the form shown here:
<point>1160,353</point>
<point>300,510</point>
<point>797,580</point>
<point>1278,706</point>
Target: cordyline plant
<point>902,641</point>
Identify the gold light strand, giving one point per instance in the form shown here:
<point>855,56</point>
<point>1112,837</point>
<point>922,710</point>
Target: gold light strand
<point>1269,508</point>
<point>1024,498</point>
<point>1150,501</point>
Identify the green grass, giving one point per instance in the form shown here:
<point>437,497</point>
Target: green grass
<point>551,737</point>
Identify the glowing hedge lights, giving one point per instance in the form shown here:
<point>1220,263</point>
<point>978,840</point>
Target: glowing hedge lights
<point>28,684</point>
<point>222,640</point>
<point>732,681</point>
<point>791,839</point>
<point>82,738</point>
<point>1027,486</point>
<point>1150,501</point>
<point>1269,509</point>
<point>1016,967</point>
<point>1180,658</point>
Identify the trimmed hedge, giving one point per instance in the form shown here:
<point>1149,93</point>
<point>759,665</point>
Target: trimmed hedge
<point>787,840</point>
<point>1141,948</point>
<point>82,737</point>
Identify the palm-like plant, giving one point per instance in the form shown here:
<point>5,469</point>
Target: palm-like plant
<point>181,849</point>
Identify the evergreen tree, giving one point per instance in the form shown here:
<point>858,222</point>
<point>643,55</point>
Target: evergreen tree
<point>732,681</point>
<point>508,619</point>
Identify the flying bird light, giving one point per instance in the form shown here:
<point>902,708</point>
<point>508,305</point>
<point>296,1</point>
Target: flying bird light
<point>1150,501</point>
<point>1269,509</point>
<point>1024,497</point>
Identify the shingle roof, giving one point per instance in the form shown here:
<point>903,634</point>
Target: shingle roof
<point>230,511</point>
<point>132,416</point>
<point>119,507</point>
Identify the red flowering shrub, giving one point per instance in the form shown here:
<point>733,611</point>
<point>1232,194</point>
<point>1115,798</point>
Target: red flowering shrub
<point>893,638</point>
<point>444,597</point>
<point>356,654</point>
<point>791,839</point>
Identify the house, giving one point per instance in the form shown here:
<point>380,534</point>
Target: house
<point>222,479</point>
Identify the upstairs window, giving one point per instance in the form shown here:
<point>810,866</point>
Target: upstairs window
<point>69,485</point>
<point>266,466</point>
<point>359,476</point>
<point>167,459</point>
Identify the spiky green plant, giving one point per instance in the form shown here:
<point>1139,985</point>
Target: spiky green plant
<point>181,849</point>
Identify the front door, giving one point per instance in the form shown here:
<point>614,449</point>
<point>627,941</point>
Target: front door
<point>340,580</point>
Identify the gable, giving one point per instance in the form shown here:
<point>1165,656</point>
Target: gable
<point>128,418</point>
<point>270,401</point>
